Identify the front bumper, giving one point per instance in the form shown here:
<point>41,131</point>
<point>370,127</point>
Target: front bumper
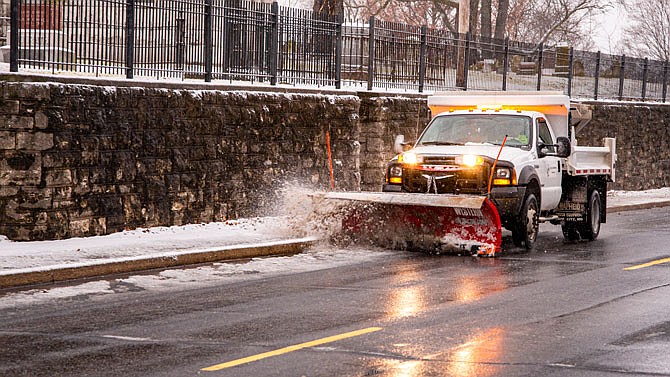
<point>508,200</point>
<point>387,187</point>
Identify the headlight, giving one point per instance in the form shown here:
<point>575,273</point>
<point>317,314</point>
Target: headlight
<point>470,160</point>
<point>409,158</point>
<point>503,173</point>
<point>503,177</point>
<point>395,174</point>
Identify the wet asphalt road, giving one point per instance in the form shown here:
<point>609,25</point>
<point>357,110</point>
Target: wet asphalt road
<point>560,310</point>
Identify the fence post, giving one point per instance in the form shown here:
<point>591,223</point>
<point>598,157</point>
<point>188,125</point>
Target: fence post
<point>622,69</point>
<point>227,39</point>
<point>14,37</point>
<point>597,74</point>
<point>130,37</point>
<point>371,53</point>
<point>338,51</point>
<point>571,56</point>
<point>506,56</point>
<point>467,61</point>
<point>665,80</point>
<point>422,58</point>
<point>645,72</point>
<point>208,40</point>
<point>540,54</point>
<point>274,42</point>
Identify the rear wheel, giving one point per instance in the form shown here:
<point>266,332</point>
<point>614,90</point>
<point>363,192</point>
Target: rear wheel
<point>586,230</point>
<point>527,225</point>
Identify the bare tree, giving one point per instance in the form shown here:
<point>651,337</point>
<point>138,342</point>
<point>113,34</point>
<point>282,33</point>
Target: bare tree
<point>501,19</point>
<point>329,7</point>
<point>437,14</point>
<point>486,13</point>
<point>648,34</point>
<point>474,13</point>
<point>553,21</point>
<point>533,21</point>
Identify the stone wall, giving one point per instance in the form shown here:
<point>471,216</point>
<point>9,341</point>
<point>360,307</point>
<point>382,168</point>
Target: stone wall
<point>382,118</point>
<point>79,160</point>
<point>643,142</point>
<point>87,159</point>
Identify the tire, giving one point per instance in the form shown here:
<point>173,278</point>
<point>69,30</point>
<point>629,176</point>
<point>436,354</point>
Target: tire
<point>527,225</point>
<point>585,230</point>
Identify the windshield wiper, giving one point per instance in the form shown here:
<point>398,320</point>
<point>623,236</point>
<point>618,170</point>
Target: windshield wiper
<point>508,144</point>
<point>439,143</point>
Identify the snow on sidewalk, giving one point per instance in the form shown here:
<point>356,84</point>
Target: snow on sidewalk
<point>140,242</point>
<point>626,198</point>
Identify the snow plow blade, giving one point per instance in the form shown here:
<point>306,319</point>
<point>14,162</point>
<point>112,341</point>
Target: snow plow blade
<point>425,222</point>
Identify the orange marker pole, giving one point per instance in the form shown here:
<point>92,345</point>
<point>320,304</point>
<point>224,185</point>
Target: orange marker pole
<point>493,168</point>
<point>330,161</point>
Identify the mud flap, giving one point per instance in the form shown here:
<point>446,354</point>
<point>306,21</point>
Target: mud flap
<point>424,222</point>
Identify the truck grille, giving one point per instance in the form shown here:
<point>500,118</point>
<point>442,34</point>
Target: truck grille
<point>439,160</point>
<point>466,181</point>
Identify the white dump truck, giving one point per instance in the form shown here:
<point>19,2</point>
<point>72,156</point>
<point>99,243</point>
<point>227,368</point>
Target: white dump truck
<point>519,150</point>
<point>487,160</point>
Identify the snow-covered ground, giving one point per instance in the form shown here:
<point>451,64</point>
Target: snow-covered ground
<point>43,255</point>
<point>621,198</point>
<point>160,240</point>
<point>153,241</point>
<point>140,242</point>
<point>314,259</point>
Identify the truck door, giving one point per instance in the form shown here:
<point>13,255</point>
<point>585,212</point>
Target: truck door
<point>550,167</point>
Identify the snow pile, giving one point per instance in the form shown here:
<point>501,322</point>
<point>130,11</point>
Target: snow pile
<point>140,242</point>
<point>638,197</point>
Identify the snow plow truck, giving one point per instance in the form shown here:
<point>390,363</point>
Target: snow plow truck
<point>488,161</point>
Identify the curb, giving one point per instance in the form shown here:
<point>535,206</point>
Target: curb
<point>54,274</point>
<point>634,207</point>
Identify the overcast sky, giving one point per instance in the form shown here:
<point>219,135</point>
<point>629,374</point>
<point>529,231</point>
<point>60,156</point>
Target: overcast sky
<point>608,29</point>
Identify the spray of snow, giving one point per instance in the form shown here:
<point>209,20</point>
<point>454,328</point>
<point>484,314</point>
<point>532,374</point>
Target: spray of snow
<point>307,214</point>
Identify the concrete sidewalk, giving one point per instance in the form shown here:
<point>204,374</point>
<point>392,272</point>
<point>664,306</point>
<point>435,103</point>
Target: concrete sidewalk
<point>45,262</point>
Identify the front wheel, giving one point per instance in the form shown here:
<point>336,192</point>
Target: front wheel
<point>586,230</point>
<point>527,225</point>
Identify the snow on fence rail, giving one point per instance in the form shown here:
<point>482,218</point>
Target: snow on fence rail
<point>249,41</point>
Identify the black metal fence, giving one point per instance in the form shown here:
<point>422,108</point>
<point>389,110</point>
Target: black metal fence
<point>240,40</point>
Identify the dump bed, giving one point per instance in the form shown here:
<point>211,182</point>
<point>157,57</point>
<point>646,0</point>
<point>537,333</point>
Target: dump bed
<point>593,160</point>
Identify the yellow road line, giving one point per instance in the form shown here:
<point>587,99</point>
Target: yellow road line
<point>652,263</point>
<point>288,349</point>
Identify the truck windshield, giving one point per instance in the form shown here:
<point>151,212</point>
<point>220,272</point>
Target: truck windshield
<point>465,129</point>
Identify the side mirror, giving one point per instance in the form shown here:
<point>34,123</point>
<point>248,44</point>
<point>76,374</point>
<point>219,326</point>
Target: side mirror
<point>563,148</point>
<point>400,145</point>
<point>560,149</point>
